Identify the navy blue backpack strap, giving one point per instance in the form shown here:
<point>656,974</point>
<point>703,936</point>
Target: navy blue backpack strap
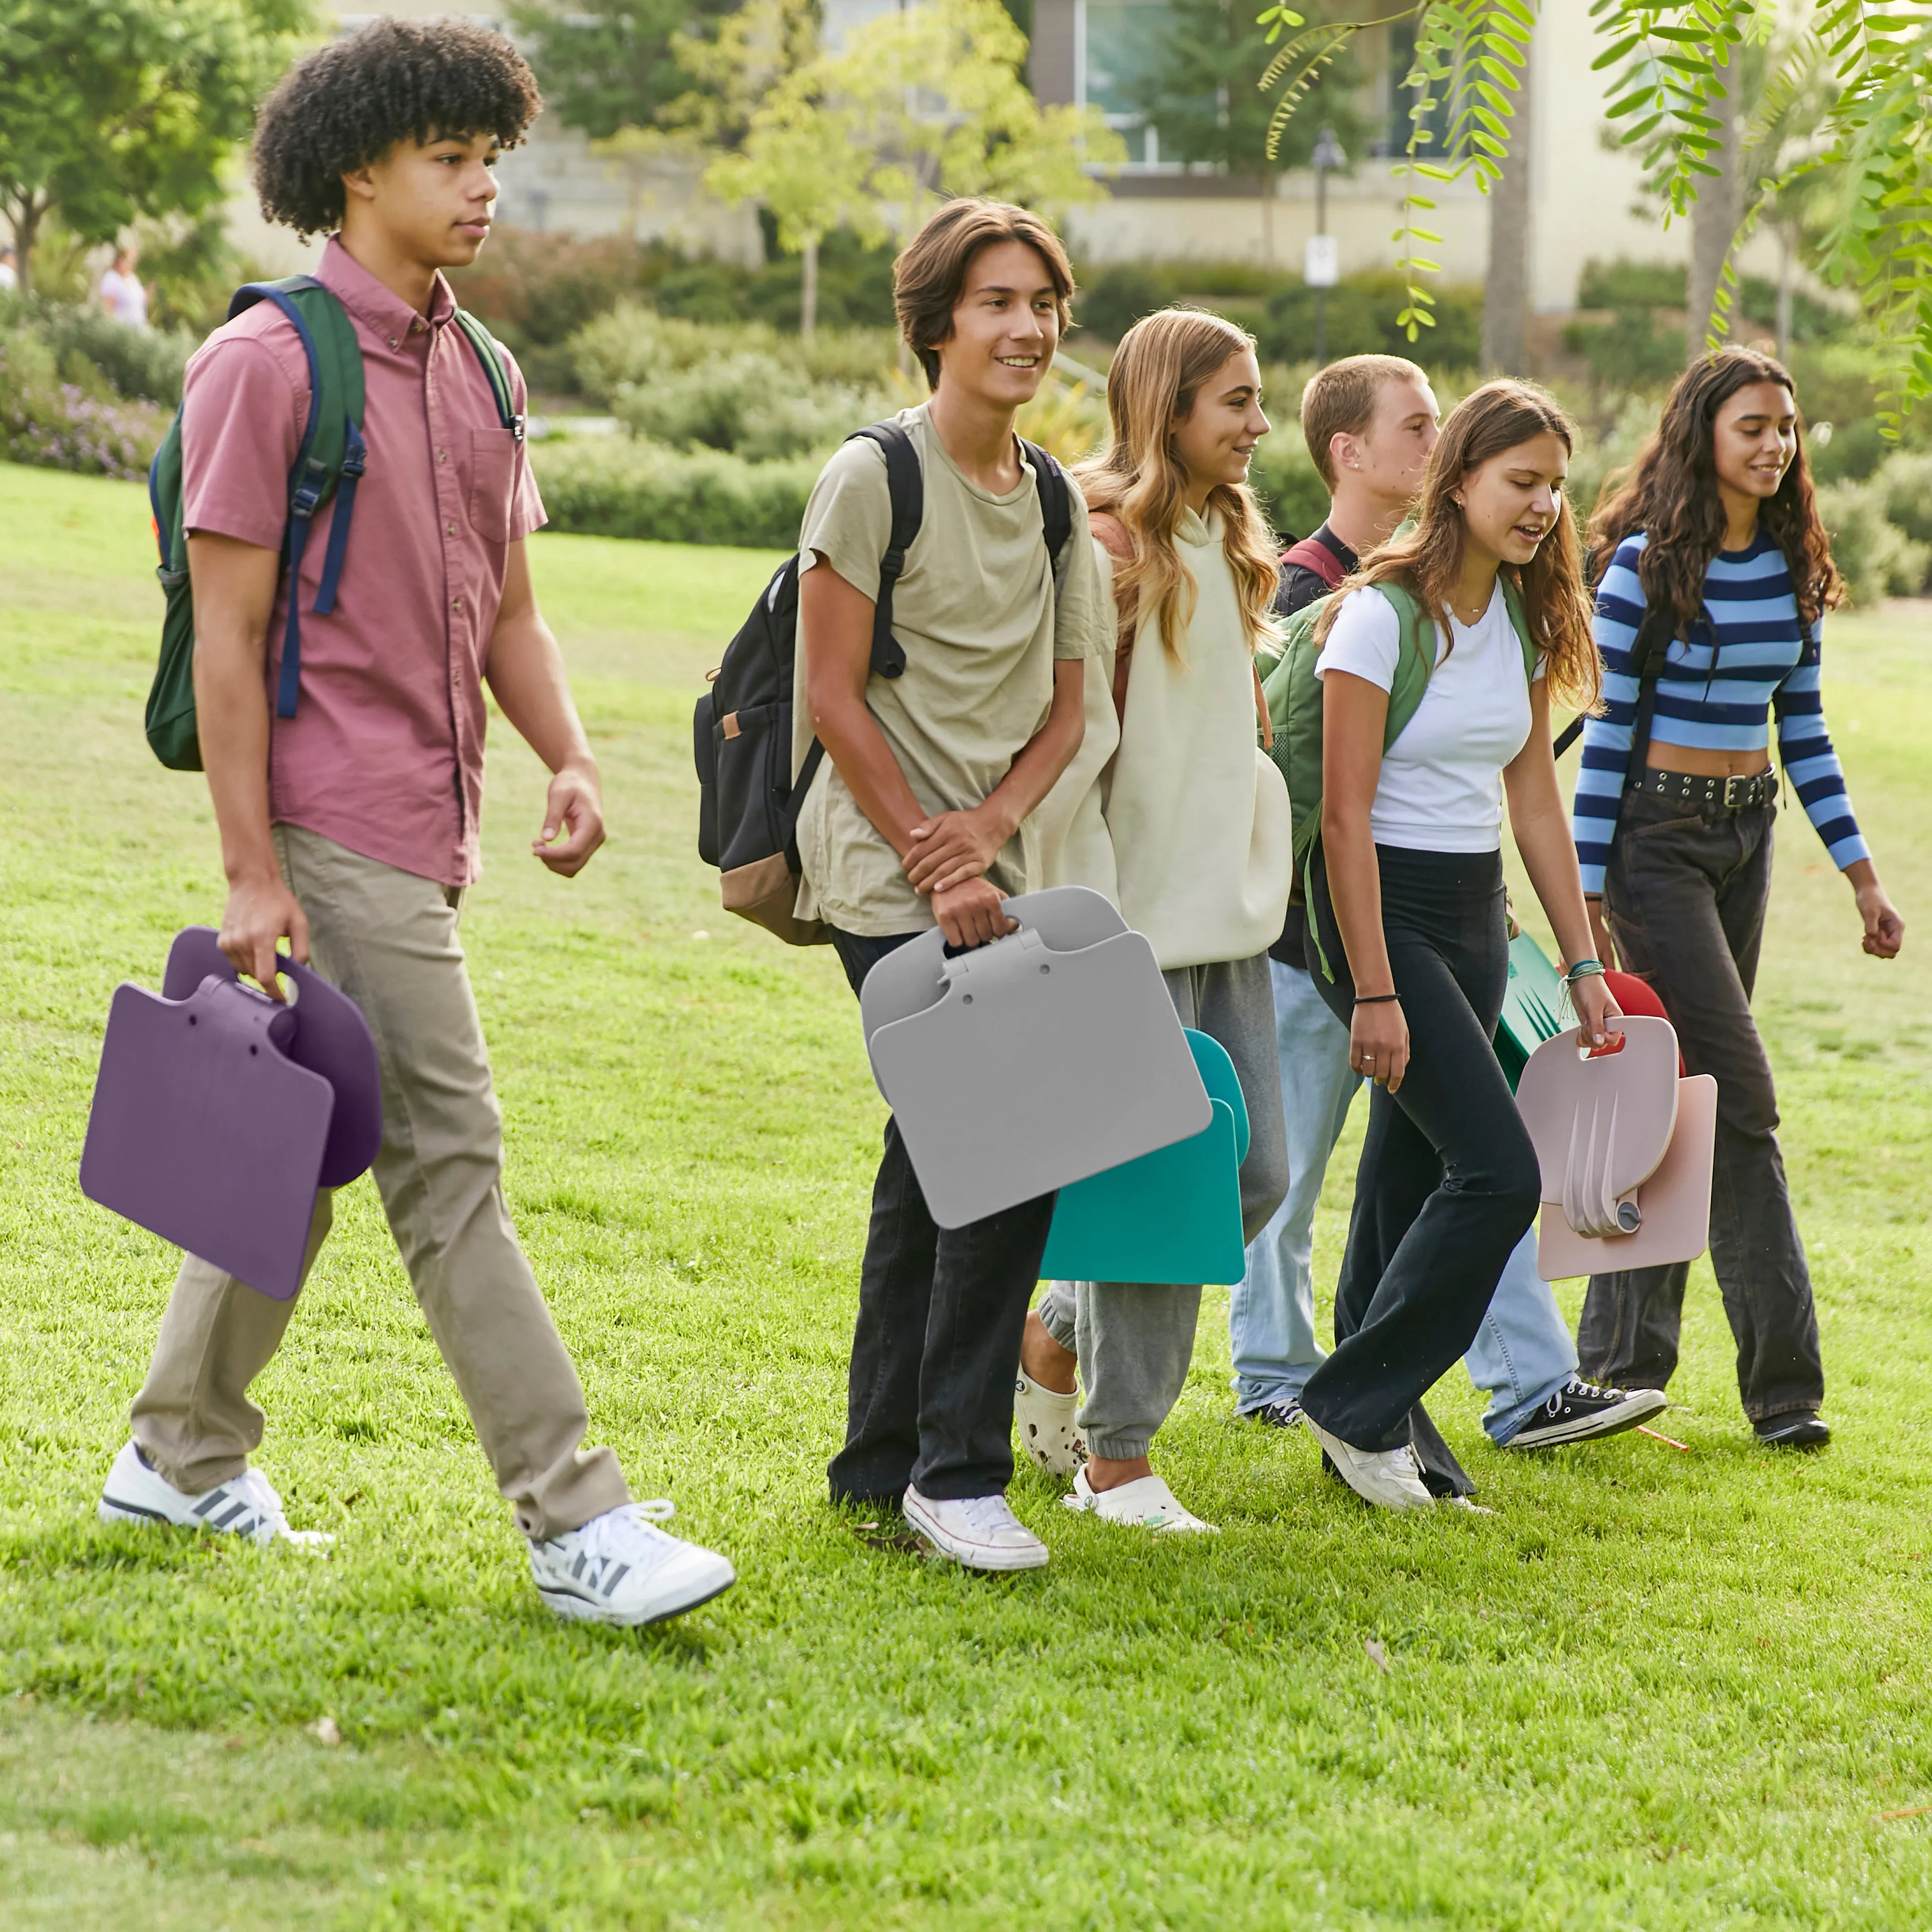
<point>906,484</point>
<point>330,458</point>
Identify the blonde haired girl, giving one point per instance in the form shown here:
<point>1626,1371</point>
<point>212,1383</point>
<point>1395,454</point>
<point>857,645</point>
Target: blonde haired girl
<point>1197,820</point>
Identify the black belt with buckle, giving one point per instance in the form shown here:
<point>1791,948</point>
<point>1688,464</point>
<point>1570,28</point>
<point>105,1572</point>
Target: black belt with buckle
<point>1708,794</point>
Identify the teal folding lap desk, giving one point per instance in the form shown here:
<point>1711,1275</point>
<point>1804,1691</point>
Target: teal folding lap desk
<point>1174,1215</point>
<point>1534,1007</point>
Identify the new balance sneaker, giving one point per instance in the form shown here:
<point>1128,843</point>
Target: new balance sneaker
<point>1274,1415</point>
<point>1389,1478</point>
<point>981,1532</point>
<point>620,1568</point>
<point>1146,1503</point>
<point>245,1505</point>
<point>1796,1429</point>
<point>1579,1412</point>
<point>1044,1417</point>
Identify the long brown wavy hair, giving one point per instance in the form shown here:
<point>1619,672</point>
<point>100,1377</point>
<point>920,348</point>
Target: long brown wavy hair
<point>1426,557</point>
<point>1670,493</point>
<point>1162,365</point>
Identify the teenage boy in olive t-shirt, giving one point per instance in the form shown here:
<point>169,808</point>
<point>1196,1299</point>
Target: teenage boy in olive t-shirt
<point>922,813</point>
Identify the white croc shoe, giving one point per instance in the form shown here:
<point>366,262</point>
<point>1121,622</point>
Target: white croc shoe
<point>982,1532</point>
<point>1146,1503</point>
<point>1389,1478</point>
<point>620,1568</point>
<point>1045,1420</point>
<point>245,1505</point>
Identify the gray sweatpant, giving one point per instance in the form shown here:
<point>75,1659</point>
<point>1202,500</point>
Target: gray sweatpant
<point>1135,1339</point>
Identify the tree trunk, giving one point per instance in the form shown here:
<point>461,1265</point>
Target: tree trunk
<point>1713,218</point>
<point>1506,293</point>
<point>24,217</point>
<point>808,290</point>
<point>1267,218</point>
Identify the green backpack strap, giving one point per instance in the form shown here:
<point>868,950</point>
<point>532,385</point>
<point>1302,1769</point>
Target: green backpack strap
<point>495,370</point>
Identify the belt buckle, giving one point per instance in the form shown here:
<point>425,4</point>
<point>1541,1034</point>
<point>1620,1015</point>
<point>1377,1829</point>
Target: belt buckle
<point>1737,791</point>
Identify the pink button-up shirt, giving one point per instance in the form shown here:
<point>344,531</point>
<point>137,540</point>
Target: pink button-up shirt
<point>385,753</point>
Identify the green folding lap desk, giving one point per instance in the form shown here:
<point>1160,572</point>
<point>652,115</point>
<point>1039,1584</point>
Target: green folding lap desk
<point>1533,1007</point>
<point>1174,1215</point>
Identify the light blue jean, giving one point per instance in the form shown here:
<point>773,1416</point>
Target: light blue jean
<point>1523,1353</point>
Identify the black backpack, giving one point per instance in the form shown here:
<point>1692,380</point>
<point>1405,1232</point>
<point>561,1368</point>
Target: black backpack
<point>748,803</point>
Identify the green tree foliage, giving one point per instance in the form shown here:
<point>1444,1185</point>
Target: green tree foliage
<point>1200,84</point>
<point>612,64</point>
<point>113,110</point>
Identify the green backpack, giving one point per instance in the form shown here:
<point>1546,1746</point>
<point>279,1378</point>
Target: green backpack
<point>329,462</point>
<point>1293,695</point>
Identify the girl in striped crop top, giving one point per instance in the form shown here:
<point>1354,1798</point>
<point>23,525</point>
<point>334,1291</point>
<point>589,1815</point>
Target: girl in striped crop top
<point>1714,547</point>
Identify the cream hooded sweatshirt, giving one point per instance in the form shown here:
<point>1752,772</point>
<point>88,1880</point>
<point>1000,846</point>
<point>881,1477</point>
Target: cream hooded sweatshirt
<point>1196,813</point>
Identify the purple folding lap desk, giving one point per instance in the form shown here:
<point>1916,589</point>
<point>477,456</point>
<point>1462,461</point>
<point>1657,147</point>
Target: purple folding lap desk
<point>218,1113</point>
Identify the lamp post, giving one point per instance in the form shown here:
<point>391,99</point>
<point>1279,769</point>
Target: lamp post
<point>1321,262</point>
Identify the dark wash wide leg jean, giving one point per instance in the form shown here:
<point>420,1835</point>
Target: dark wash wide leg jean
<point>1448,1180</point>
<point>1685,896</point>
<point>936,1353</point>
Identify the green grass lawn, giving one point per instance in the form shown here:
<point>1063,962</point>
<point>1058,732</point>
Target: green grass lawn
<point>1654,1690</point>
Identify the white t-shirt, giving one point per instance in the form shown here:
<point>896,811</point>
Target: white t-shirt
<point>1441,784</point>
<point>128,297</point>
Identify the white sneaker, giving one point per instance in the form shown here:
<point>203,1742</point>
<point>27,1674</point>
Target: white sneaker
<point>1045,1419</point>
<point>620,1568</point>
<point>1146,1503</point>
<point>1389,1478</point>
<point>982,1532</point>
<point>245,1505</point>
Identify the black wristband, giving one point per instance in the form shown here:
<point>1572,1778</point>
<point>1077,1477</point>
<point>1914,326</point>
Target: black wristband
<point>1375,999</point>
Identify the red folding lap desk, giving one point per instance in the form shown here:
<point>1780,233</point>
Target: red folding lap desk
<point>218,1112</point>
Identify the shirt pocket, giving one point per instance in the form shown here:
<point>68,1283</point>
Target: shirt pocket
<point>493,482</point>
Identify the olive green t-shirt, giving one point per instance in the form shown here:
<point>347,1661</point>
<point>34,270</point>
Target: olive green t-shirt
<point>981,623</point>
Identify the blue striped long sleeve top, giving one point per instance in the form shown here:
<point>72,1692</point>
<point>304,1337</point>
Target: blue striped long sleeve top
<point>1748,654</point>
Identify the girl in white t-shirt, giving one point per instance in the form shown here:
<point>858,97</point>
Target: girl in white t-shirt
<point>1406,887</point>
<point>121,293</point>
<point>1193,843</point>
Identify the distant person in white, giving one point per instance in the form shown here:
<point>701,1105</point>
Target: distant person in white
<point>120,292</point>
<point>9,274</point>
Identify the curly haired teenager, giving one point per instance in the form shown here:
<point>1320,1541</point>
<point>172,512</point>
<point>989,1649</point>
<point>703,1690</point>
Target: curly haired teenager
<point>1405,886</point>
<point>1713,548</point>
<point>350,828</point>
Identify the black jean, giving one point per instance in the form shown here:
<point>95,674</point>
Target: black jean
<point>935,1356</point>
<point>1448,1181</point>
<point>1684,898</point>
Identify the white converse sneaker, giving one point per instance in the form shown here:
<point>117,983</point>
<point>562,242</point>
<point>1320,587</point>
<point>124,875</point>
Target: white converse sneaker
<point>1146,1503</point>
<point>245,1505</point>
<point>620,1568</point>
<point>1389,1478</point>
<point>982,1532</point>
<point>1045,1419</point>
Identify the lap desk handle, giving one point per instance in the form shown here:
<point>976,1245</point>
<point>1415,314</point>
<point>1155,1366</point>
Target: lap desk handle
<point>1022,1066</point>
<point>1625,1147</point>
<point>217,1113</point>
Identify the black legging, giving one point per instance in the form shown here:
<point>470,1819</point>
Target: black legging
<point>1448,1180</point>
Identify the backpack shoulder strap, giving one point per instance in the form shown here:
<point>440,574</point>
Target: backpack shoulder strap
<point>495,370</point>
<point>1313,554</point>
<point>906,484</point>
<point>1415,658</point>
<point>331,455</point>
<point>1056,511</point>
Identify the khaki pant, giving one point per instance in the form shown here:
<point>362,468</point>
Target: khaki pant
<point>389,940</point>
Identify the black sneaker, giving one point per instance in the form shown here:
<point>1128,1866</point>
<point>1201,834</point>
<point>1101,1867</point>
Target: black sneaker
<point>1579,1412</point>
<point>1796,1429</point>
<point>1274,1415</point>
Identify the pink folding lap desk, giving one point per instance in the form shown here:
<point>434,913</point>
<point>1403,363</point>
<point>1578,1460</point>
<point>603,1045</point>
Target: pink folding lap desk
<point>218,1113</point>
<point>1625,1145</point>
